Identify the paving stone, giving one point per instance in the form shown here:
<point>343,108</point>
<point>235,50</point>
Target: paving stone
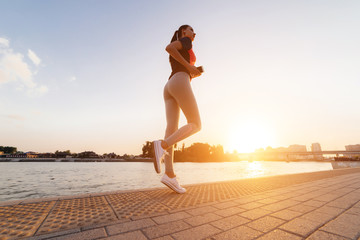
<point>77,212</point>
<point>357,205</point>
<point>344,190</point>
<point>54,234</point>
<point>268,201</point>
<point>201,210</point>
<point>171,217</point>
<point>230,222</point>
<point>314,203</point>
<point>202,219</point>
<point>90,234</point>
<point>251,205</point>
<point>175,210</point>
<point>255,213</point>
<point>244,200</point>
<point>307,196</point>
<point>238,233</point>
<point>301,226</point>
<point>137,235</point>
<point>292,194</point>
<point>279,235</point>
<point>345,201</point>
<point>280,197</point>
<point>89,227</point>
<point>129,226</point>
<point>168,237</point>
<point>333,211</point>
<point>318,217</point>
<point>100,209</point>
<point>346,225</point>
<point>320,235</point>
<point>265,224</point>
<point>229,211</point>
<point>149,215</point>
<point>302,208</point>
<point>195,233</point>
<point>10,203</point>
<point>353,210</point>
<point>286,214</point>
<point>165,229</point>
<point>225,205</point>
<point>280,205</point>
<point>327,197</point>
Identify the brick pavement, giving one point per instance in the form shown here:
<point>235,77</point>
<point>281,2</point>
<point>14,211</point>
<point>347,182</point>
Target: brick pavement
<point>320,205</point>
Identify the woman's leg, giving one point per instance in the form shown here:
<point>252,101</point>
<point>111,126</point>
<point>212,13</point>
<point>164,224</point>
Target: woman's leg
<point>172,119</point>
<point>180,90</point>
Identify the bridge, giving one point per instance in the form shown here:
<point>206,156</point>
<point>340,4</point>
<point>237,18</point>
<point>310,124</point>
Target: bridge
<point>316,155</point>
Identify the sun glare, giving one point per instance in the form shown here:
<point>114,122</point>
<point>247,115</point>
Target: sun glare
<point>255,169</point>
<point>247,137</point>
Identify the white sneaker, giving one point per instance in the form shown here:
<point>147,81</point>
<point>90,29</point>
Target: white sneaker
<point>159,155</point>
<point>173,184</point>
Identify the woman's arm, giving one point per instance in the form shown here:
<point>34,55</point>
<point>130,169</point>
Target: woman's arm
<point>173,49</point>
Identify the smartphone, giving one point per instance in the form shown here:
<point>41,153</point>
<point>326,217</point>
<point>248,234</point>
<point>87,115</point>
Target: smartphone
<point>201,69</point>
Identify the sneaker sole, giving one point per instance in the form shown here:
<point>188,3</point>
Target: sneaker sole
<point>171,187</point>
<point>156,161</point>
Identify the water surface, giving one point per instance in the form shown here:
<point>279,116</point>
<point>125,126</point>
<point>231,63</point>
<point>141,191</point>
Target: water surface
<point>23,180</point>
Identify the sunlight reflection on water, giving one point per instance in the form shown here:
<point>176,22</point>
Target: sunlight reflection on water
<point>33,180</point>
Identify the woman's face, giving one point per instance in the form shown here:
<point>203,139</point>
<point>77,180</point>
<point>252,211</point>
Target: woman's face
<point>189,32</point>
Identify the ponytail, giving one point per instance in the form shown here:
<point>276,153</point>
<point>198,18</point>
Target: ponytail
<point>177,34</point>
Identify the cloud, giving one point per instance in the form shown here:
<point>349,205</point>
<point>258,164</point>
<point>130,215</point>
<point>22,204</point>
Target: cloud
<point>72,79</point>
<point>38,91</point>
<point>13,68</point>
<point>34,58</point>
<point>4,42</point>
<point>15,117</point>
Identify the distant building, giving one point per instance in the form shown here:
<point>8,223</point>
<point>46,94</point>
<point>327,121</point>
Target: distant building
<point>316,147</point>
<point>297,148</point>
<point>352,148</point>
<point>46,155</point>
<point>31,155</point>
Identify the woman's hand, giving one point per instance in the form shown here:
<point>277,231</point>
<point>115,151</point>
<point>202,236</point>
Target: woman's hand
<point>194,72</point>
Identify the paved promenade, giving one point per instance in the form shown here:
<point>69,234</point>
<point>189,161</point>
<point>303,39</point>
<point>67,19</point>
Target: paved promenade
<point>320,205</point>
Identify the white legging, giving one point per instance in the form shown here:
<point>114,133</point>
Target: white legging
<point>178,95</point>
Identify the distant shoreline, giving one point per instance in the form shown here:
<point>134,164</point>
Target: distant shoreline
<point>135,160</point>
<point>74,160</point>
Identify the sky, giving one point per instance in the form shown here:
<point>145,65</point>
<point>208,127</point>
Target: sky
<point>88,75</point>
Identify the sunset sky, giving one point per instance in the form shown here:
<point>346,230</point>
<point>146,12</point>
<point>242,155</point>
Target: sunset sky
<point>89,75</point>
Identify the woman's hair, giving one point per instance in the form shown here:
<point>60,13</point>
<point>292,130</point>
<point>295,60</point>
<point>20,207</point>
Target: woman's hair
<point>177,34</point>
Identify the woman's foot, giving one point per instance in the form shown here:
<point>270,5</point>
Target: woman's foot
<point>173,184</point>
<point>159,155</point>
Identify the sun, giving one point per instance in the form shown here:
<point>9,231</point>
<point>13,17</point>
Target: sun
<point>246,137</point>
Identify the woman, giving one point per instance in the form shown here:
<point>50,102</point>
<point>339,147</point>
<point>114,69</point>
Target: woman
<point>178,95</point>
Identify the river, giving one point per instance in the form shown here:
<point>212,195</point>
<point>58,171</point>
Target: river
<point>23,180</point>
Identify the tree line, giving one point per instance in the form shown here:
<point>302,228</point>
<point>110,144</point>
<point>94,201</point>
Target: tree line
<point>8,150</point>
<point>197,152</point>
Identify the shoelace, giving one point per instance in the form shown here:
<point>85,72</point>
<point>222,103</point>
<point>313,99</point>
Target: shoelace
<point>177,182</point>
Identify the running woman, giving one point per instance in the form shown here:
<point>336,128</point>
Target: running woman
<point>178,95</point>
